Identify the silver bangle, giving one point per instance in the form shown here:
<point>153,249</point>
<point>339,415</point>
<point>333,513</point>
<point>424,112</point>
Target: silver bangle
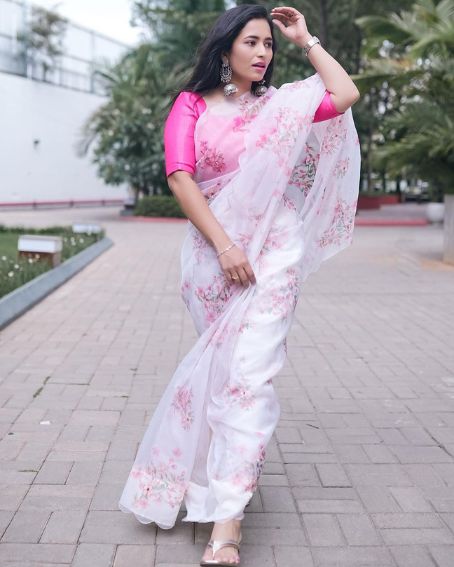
<point>225,250</point>
<point>310,44</point>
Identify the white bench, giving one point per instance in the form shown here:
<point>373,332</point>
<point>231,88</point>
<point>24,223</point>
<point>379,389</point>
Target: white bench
<point>48,247</point>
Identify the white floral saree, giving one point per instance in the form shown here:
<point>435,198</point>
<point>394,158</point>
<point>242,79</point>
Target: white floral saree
<point>285,189</point>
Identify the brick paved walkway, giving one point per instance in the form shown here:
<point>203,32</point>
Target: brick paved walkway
<point>360,471</point>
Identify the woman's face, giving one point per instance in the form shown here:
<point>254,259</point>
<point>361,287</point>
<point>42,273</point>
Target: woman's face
<point>253,45</point>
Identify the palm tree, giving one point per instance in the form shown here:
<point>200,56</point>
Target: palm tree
<point>411,55</point>
<point>126,132</point>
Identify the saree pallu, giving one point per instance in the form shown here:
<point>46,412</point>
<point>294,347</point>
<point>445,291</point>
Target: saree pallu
<point>290,205</point>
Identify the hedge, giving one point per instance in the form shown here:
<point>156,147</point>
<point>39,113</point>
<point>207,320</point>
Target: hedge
<point>159,206</point>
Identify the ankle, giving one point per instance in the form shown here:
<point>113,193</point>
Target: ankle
<point>232,527</point>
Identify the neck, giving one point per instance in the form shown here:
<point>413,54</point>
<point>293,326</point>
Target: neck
<point>243,87</point>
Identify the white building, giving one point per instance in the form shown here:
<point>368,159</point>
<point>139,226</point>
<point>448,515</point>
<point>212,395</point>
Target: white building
<point>41,120</point>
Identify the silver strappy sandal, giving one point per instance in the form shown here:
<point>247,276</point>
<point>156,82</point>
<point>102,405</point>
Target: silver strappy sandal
<point>216,545</point>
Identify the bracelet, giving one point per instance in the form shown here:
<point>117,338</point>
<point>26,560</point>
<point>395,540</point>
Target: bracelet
<point>226,249</point>
<point>310,44</point>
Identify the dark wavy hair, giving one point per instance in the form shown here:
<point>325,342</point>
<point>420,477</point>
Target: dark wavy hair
<point>206,73</point>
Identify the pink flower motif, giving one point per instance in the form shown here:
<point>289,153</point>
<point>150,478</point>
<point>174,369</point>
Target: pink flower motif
<point>248,473</point>
<point>341,167</point>
<point>341,226</point>
<point>159,482</point>
<point>239,391</point>
<point>214,297</point>
<point>211,158</point>
<point>182,404</point>
<point>282,301</point>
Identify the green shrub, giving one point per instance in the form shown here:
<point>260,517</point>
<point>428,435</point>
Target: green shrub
<point>159,206</point>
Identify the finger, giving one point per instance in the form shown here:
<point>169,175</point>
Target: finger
<point>234,277</point>
<point>250,274</point>
<point>243,277</point>
<point>278,24</point>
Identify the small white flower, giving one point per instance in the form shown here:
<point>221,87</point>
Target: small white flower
<point>16,266</point>
<point>10,274</point>
<point>81,239</point>
<point>4,258</point>
<point>30,260</point>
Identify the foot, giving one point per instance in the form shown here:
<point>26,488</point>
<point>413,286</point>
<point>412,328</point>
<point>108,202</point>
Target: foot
<point>228,530</point>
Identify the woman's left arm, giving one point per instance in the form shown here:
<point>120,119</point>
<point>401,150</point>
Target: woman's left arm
<point>292,24</point>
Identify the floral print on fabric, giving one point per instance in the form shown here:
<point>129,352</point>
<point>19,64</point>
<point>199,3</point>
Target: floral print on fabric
<point>303,174</point>
<point>214,296</point>
<point>248,474</point>
<point>247,112</point>
<point>341,225</point>
<point>211,158</point>
<point>335,136</point>
<point>282,300</point>
<point>239,391</point>
<point>280,138</point>
<point>182,404</point>
<point>163,481</point>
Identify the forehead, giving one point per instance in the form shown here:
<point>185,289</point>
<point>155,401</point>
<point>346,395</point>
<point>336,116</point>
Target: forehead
<point>258,27</point>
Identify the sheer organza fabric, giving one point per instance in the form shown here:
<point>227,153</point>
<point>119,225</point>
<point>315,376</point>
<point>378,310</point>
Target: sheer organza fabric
<point>285,189</point>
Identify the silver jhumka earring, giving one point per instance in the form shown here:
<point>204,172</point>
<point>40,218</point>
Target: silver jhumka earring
<point>261,88</point>
<point>226,75</point>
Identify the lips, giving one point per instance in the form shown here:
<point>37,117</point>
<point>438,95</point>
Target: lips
<point>259,66</point>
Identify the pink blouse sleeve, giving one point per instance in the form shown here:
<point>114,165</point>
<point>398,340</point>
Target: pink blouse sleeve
<point>179,127</point>
<point>326,109</point>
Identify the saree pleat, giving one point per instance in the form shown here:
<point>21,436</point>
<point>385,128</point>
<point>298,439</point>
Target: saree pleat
<point>290,205</point>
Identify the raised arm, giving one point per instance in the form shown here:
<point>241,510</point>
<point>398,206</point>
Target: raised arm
<point>292,24</point>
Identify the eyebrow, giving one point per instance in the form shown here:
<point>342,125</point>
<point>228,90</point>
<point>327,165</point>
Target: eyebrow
<point>257,37</point>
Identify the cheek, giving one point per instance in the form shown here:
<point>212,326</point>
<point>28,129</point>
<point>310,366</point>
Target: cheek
<point>242,56</point>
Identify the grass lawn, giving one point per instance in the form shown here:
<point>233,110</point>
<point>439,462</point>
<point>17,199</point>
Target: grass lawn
<point>15,272</point>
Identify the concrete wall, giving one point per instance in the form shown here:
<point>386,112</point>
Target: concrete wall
<point>50,170</point>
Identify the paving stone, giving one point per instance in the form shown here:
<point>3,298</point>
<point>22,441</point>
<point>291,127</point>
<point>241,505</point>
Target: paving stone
<point>53,472</point>
<point>36,553</point>
<point>377,475</point>
<point>411,499</point>
<point>85,473</point>
<point>352,556</point>
<point>12,495</point>
<point>116,527</point>
<point>413,556</point>
<point>277,499</point>
<point>378,499</point>
<point>64,527</point>
<point>323,530</point>
<point>425,536</point>
<point>332,475</point>
<point>26,527</point>
<point>407,520</point>
<point>358,529</point>
<point>442,554</point>
<point>285,556</point>
<point>134,555</point>
<point>57,497</point>
<point>90,554</point>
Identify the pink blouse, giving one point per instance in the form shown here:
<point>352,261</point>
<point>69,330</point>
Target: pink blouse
<point>180,124</point>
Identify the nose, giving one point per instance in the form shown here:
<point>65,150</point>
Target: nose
<point>261,50</point>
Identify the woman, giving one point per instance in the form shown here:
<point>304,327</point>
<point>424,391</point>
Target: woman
<point>268,179</point>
